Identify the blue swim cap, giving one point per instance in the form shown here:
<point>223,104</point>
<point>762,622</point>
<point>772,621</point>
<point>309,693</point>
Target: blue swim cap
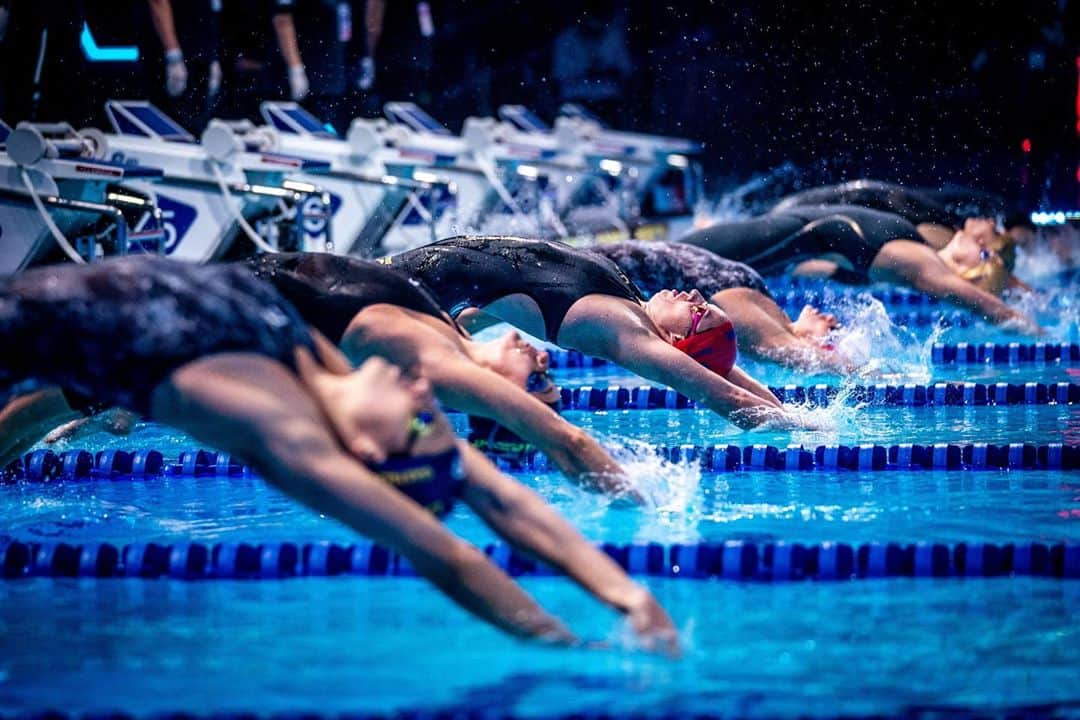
<point>433,481</point>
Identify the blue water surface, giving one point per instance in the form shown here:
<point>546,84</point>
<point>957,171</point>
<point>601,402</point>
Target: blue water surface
<point>334,645</point>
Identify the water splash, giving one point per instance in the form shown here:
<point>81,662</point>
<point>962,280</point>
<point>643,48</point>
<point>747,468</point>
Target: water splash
<point>881,350</point>
<point>1052,253</point>
<point>741,200</point>
<point>670,490</point>
<point>1057,310</point>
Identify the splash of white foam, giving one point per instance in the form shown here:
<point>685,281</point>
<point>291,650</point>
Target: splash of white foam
<point>737,201</point>
<point>882,350</point>
<point>670,490</point>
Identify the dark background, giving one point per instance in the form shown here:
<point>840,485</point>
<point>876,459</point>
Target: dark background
<point>917,92</point>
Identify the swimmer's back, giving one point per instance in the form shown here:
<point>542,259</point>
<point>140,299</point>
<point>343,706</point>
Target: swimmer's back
<point>114,330</point>
<point>329,290</point>
<point>774,242</point>
<point>476,271</point>
<point>656,266</point>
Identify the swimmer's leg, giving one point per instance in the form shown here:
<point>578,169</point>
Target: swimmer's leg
<point>815,268</point>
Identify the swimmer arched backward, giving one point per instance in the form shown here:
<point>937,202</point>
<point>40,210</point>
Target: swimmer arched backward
<point>372,309</point>
<point>878,246</point>
<point>217,353</point>
<point>764,329</point>
<point>584,302</point>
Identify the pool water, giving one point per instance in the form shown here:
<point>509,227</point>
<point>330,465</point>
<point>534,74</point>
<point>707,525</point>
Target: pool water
<point>350,644</point>
<point>338,645</point>
<point>687,506</point>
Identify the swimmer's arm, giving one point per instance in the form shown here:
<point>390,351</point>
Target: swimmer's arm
<point>345,490</point>
<point>739,377</point>
<point>465,386</point>
<point>921,266</point>
<point>161,15</point>
<point>527,522</point>
<point>769,335</point>
<point>647,355</point>
<point>285,29</point>
<point>779,344</point>
<point>1015,283</point>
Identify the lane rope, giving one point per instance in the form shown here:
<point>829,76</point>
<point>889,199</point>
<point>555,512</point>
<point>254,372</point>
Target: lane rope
<point>651,397</point>
<point>81,465</point>
<point>732,560</point>
<point>963,353</point>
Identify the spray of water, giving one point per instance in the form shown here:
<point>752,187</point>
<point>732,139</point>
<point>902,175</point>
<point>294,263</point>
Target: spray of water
<point>669,489</point>
<point>1057,310</point>
<point>881,350</point>
<point>1052,253</point>
<point>739,201</point>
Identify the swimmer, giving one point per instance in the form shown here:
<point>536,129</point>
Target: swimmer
<point>936,214</point>
<point>855,244</point>
<point>367,308</point>
<point>764,330</point>
<point>582,301</point>
<point>215,352</point>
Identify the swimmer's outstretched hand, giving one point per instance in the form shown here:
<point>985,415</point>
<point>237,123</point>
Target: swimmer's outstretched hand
<point>767,418</point>
<point>653,625</point>
<point>1023,324</point>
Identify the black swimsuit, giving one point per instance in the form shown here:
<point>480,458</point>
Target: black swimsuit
<point>329,290</point>
<point>476,271</point>
<point>772,242</point>
<point>950,206</point>
<point>114,330</point>
<point>656,266</point>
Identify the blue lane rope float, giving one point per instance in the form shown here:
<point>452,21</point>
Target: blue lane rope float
<point>732,560</point>
<point>46,465</point>
<point>940,354</point>
<point>649,397</point>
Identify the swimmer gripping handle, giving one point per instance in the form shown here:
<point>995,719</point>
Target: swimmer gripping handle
<point>941,354</point>
<point>732,560</point>
<point>648,397</point>
<point>46,465</point>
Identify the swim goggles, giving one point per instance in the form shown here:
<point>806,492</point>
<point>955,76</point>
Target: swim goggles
<point>538,381</point>
<point>419,426</point>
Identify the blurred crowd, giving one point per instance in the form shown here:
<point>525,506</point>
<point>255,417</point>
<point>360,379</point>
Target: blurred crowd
<point>197,58</point>
<point>976,91</point>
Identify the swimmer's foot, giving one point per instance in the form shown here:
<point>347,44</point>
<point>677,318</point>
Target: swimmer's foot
<point>812,324</point>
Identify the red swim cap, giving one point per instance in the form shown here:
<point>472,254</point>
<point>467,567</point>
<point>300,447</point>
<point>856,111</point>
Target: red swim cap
<point>716,348</point>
